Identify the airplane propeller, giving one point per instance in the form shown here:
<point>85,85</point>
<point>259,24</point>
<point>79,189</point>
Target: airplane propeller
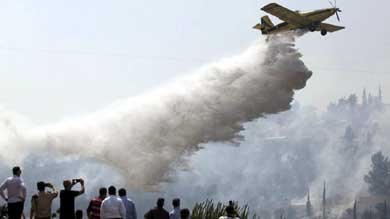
<point>337,9</point>
<point>337,14</point>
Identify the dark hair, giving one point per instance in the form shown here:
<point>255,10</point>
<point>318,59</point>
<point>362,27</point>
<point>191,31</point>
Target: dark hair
<point>41,186</point>
<point>160,202</point>
<point>229,209</point>
<point>176,202</point>
<point>67,183</point>
<point>111,190</point>
<point>102,191</point>
<point>184,213</point>
<point>122,192</point>
<point>15,170</point>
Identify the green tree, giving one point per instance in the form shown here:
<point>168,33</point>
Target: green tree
<point>378,178</point>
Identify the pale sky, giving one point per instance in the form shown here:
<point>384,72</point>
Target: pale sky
<point>67,58</point>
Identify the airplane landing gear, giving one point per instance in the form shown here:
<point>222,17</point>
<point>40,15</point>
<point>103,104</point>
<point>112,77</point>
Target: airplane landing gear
<point>324,32</point>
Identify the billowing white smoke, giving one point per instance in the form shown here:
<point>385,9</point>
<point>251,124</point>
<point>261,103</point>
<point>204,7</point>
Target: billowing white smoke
<point>144,137</point>
<point>285,155</point>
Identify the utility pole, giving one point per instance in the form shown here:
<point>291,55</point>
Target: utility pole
<point>324,202</point>
<point>309,209</point>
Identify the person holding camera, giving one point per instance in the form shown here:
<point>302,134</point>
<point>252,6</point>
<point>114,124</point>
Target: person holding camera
<point>67,197</point>
<point>41,201</point>
<point>16,194</point>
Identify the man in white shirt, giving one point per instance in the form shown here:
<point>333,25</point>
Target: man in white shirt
<point>112,207</point>
<point>16,193</point>
<point>175,213</point>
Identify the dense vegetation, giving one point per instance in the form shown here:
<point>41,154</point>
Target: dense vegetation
<point>378,178</point>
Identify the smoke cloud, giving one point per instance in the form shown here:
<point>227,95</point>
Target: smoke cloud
<point>285,155</point>
<point>147,137</point>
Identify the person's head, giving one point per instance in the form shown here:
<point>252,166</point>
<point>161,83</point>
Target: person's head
<point>67,184</point>
<point>102,192</point>
<point>41,186</point>
<point>184,213</point>
<point>122,192</point>
<point>230,210</point>
<point>16,171</point>
<point>176,202</point>
<point>111,190</point>
<point>79,214</point>
<point>160,202</point>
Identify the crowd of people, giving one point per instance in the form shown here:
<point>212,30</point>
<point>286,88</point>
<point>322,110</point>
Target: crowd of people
<point>115,205</point>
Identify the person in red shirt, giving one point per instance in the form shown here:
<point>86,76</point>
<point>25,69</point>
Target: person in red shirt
<point>93,210</point>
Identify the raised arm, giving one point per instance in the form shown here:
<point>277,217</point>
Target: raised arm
<point>54,191</point>
<point>82,186</point>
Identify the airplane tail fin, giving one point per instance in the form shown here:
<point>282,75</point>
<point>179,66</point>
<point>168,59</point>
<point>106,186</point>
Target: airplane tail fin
<point>265,21</point>
<point>265,25</point>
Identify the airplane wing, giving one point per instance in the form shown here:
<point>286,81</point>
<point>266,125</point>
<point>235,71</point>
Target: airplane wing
<point>286,14</point>
<point>329,27</point>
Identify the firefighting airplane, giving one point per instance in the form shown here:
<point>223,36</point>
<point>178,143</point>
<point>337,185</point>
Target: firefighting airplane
<point>295,20</point>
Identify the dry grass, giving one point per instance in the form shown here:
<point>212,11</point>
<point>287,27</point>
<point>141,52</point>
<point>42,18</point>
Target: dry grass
<point>210,210</point>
